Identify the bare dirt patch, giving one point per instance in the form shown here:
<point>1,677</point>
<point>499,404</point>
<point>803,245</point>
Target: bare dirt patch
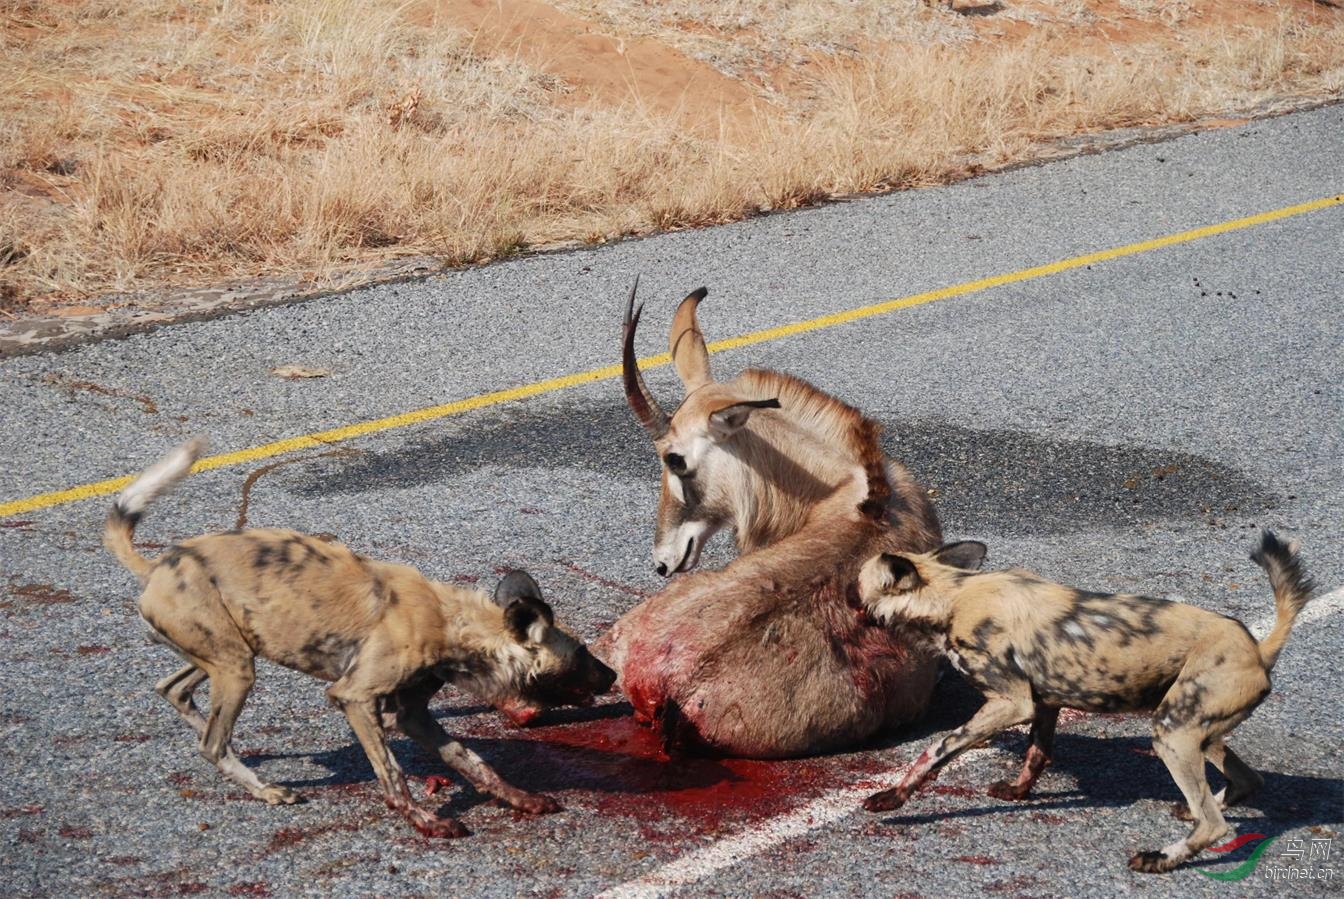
<point>166,146</point>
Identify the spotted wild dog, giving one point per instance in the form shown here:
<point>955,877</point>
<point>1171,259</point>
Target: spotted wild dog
<point>385,636</point>
<point>1034,647</point>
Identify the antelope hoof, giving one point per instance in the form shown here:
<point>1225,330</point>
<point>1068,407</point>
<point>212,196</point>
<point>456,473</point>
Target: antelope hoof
<point>433,826</point>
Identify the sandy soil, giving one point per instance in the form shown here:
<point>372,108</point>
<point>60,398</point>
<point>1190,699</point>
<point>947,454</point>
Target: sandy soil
<point>167,146</point>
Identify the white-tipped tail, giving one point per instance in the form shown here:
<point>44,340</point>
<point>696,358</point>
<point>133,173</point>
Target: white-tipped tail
<point>160,477</point>
<point>130,505</point>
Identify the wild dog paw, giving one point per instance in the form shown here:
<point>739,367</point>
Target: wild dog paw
<point>432,826</point>
<point>1004,789</point>
<point>886,801</point>
<point>274,794</point>
<point>1153,861</point>
<point>536,804</point>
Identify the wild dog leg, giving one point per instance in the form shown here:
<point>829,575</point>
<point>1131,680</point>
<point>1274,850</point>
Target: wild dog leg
<point>178,688</point>
<point>414,720</point>
<point>365,721</point>
<point>1038,756</point>
<point>1180,752</point>
<point>1242,780</point>
<point>230,682</point>
<point>994,716</point>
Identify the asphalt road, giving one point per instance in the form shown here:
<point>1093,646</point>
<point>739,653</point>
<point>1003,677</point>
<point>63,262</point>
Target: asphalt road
<point>1124,425</point>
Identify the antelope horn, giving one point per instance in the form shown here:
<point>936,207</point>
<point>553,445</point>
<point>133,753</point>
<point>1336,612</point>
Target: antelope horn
<point>690,357</point>
<point>637,394</point>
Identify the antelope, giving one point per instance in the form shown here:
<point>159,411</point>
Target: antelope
<point>756,454</point>
<point>772,656</point>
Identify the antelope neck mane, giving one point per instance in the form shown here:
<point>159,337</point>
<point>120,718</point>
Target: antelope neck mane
<point>841,428</point>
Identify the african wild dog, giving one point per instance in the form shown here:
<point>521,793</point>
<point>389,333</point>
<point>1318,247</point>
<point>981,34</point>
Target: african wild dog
<point>385,636</point>
<point>772,656</point>
<point>1034,647</point>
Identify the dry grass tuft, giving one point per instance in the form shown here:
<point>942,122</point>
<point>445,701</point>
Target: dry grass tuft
<point>155,144</point>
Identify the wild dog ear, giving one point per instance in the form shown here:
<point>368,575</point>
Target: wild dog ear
<point>725,422</point>
<point>526,614</point>
<point>528,619</point>
<point>968,554</point>
<point>516,585</point>
<point>902,572</point>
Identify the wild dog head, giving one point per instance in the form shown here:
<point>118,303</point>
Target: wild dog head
<point>918,587</point>
<point>552,668</point>
<point>703,485</point>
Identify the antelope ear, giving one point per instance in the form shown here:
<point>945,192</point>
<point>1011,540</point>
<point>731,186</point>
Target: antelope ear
<point>968,554</point>
<point>687,344</point>
<point>902,572</point>
<point>725,422</point>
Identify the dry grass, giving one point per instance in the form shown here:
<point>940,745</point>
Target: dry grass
<point>151,144</point>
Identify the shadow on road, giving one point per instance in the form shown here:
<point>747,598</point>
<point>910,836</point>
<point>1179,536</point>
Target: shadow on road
<point>987,481</point>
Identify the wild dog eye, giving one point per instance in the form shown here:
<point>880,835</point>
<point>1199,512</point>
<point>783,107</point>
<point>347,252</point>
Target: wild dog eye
<point>676,463</point>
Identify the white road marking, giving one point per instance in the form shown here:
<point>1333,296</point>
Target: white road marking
<point>725,853</point>
<point>831,807</point>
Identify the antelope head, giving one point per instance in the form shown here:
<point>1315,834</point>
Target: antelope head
<point>705,481</point>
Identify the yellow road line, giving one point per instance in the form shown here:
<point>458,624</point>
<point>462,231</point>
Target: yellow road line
<point>494,398</point>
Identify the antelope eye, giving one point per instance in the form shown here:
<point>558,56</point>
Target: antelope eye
<point>676,463</point>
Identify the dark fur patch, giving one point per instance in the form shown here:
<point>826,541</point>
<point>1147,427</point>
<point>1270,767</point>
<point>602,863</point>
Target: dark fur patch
<point>177,555</point>
<point>523,612</point>
<point>461,664</point>
<point>1273,553</point>
<point>264,556</point>
<point>122,518</point>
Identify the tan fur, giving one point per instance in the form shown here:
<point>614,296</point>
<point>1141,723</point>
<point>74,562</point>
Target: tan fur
<point>1034,647</point>
<point>760,471</point>
<point>772,656</point>
<point>384,636</point>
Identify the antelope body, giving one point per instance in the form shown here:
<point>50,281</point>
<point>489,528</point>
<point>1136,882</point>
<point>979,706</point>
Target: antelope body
<point>772,656</point>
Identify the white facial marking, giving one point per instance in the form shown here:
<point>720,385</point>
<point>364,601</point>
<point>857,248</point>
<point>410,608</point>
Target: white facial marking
<point>680,550</point>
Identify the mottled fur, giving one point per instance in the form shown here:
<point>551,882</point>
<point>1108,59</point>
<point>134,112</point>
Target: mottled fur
<point>1034,647</point>
<point>773,655</point>
<point>384,636</point>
